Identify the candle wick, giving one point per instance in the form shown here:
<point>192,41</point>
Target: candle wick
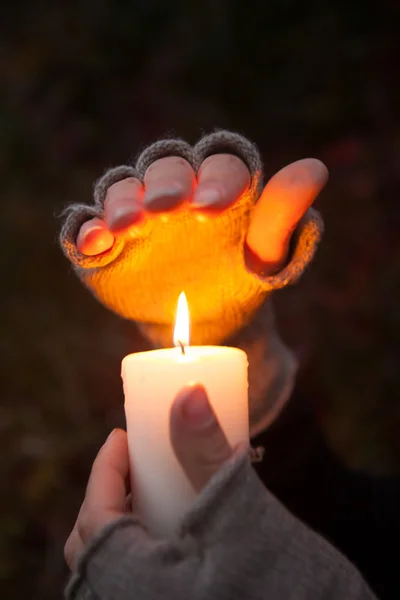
<point>182,346</point>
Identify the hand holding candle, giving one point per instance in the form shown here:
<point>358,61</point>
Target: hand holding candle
<point>198,442</point>
<point>151,381</point>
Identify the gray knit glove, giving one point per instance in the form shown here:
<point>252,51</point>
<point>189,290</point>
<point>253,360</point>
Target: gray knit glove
<point>141,278</point>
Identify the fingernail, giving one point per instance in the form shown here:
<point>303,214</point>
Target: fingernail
<point>206,198</point>
<point>94,241</point>
<point>163,198</point>
<point>196,408</point>
<point>102,242</point>
<point>108,438</point>
<point>110,435</point>
<point>125,216</point>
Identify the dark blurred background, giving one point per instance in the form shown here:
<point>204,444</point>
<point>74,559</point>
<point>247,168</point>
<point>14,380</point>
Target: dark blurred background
<point>86,85</point>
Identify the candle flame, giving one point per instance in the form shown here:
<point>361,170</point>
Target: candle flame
<point>181,331</point>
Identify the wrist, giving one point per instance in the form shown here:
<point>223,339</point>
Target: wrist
<point>272,368</point>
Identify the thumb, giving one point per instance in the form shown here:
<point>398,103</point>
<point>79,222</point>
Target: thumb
<point>283,203</point>
<point>198,441</point>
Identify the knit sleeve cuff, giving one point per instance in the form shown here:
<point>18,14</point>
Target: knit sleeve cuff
<point>100,551</point>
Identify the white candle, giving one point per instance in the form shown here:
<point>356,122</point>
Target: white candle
<point>152,380</point>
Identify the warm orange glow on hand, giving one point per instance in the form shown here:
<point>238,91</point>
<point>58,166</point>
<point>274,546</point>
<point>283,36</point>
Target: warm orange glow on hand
<point>181,331</point>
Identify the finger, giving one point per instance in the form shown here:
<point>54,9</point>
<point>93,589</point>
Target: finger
<point>72,549</point>
<point>107,489</point>
<point>283,203</point>
<point>123,206</point>
<point>222,179</point>
<point>197,439</point>
<point>94,237</point>
<point>168,183</point>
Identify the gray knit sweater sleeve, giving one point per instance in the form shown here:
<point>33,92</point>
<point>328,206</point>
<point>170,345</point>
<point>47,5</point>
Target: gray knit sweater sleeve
<point>238,542</point>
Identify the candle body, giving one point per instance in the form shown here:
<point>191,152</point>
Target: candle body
<point>162,494</point>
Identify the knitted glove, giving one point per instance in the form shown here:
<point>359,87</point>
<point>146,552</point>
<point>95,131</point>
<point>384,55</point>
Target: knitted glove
<point>141,277</point>
<point>237,542</point>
